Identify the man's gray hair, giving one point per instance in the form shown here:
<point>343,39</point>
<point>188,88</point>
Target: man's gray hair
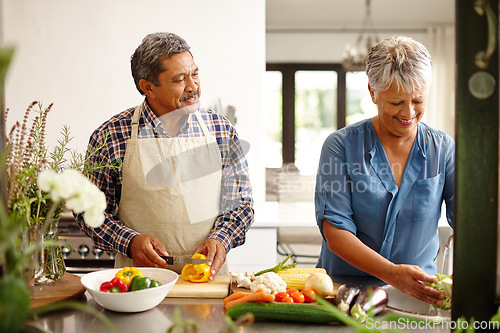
<point>401,60</point>
<point>147,61</point>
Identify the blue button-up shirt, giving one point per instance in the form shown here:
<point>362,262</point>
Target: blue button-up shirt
<point>356,191</point>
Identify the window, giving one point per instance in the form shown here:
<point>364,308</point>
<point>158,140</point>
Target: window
<point>273,99</point>
<point>304,104</point>
<point>359,104</point>
<point>315,115</point>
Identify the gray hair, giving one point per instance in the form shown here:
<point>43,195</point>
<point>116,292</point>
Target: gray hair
<point>146,62</point>
<point>401,60</point>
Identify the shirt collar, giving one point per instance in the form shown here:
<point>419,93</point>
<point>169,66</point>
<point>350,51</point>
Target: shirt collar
<point>159,128</point>
<point>419,140</point>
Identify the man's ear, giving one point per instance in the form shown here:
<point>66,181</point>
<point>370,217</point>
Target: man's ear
<point>146,87</point>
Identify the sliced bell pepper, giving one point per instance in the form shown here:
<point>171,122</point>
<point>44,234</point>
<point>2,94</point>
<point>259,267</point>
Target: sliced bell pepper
<point>196,272</point>
<point>114,286</point>
<point>139,282</point>
<point>127,274</point>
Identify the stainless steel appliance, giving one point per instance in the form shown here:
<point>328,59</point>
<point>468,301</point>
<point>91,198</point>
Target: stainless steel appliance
<point>80,254</point>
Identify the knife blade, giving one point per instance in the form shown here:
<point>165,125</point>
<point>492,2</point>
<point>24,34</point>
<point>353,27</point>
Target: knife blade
<point>183,260</point>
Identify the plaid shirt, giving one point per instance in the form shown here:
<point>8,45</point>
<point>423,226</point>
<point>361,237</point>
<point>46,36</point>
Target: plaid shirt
<point>236,203</point>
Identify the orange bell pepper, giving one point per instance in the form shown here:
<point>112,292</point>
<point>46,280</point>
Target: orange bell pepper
<point>196,273</point>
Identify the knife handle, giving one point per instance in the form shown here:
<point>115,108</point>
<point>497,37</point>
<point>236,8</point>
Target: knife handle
<point>168,259</point>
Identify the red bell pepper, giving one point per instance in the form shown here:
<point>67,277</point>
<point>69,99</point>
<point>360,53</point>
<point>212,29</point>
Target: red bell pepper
<point>116,285</point>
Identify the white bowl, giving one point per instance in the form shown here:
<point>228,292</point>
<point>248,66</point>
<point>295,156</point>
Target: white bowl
<point>134,301</point>
<point>404,304</point>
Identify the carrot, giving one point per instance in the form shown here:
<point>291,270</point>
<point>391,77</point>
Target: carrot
<point>253,297</point>
<point>234,296</point>
<point>268,298</point>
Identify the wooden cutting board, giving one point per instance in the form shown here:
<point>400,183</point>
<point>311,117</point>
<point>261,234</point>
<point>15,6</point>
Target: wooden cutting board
<point>67,288</point>
<point>217,288</point>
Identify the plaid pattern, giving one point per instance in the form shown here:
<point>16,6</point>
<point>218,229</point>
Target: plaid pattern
<point>236,209</point>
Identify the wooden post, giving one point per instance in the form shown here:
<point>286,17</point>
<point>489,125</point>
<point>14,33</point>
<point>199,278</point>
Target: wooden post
<point>477,163</point>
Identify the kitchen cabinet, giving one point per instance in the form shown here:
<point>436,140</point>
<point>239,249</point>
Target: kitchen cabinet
<point>258,252</point>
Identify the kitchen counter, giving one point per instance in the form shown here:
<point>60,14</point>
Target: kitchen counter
<point>208,314</point>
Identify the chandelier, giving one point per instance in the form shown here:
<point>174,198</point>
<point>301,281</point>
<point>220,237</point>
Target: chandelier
<point>354,58</point>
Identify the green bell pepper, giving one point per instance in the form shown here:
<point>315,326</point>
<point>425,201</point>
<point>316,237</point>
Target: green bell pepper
<point>139,283</point>
<point>154,283</point>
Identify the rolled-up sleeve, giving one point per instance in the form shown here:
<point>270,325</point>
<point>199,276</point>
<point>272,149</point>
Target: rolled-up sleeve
<point>333,187</point>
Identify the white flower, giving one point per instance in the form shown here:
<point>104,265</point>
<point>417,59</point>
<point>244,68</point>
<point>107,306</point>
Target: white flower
<point>80,193</point>
<point>58,186</point>
<point>94,216</point>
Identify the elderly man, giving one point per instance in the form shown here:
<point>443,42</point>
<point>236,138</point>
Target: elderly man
<point>183,185</point>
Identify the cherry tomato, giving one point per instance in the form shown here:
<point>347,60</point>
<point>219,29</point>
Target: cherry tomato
<point>309,295</point>
<point>291,291</point>
<point>298,297</point>
<point>287,299</point>
<point>279,296</point>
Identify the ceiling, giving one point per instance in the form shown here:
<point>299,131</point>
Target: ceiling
<point>303,15</point>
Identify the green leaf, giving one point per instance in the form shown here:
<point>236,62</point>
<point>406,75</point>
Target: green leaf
<point>14,303</point>
<point>278,267</point>
<point>5,57</point>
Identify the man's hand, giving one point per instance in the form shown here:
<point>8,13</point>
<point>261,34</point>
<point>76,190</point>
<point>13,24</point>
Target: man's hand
<point>412,280</point>
<point>145,251</point>
<point>215,252</point>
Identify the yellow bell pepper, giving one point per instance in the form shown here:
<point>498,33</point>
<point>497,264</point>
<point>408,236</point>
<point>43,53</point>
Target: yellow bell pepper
<point>196,273</point>
<point>127,274</point>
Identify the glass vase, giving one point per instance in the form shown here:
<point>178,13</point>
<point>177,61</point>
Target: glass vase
<point>30,239</point>
<point>52,267</point>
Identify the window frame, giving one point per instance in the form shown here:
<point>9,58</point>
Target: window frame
<point>288,71</point>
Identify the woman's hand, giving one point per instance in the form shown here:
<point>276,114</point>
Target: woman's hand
<point>412,280</point>
<point>409,279</point>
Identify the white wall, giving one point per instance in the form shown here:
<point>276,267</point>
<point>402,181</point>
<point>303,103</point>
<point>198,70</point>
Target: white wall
<point>76,54</point>
<point>316,46</point>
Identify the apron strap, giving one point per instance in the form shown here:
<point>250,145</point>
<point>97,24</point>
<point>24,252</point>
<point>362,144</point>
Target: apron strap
<point>135,120</point>
<point>203,126</point>
<point>138,112</point>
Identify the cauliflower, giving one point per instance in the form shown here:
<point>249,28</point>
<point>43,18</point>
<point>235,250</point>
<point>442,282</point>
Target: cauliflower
<point>444,284</point>
<point>270,282</point>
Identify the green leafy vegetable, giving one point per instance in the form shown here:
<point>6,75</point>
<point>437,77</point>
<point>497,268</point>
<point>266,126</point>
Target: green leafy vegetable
<point>444,284</point>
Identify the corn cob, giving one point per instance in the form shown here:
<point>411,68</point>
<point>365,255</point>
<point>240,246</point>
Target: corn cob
<point>296,277</point>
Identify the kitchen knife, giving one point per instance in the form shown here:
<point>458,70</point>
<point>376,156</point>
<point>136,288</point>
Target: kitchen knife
<point>184,260</point>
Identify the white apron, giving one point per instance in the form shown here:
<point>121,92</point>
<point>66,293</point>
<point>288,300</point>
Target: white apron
<point>171,189</point>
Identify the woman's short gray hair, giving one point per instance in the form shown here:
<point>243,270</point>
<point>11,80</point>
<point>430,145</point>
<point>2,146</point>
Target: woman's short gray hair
<point>146,62</point>
<point>401,60</point>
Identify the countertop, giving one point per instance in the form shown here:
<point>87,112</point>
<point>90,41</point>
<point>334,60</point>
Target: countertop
<point>208,314</point>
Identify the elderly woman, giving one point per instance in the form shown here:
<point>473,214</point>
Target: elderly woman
<point>381,182</point>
